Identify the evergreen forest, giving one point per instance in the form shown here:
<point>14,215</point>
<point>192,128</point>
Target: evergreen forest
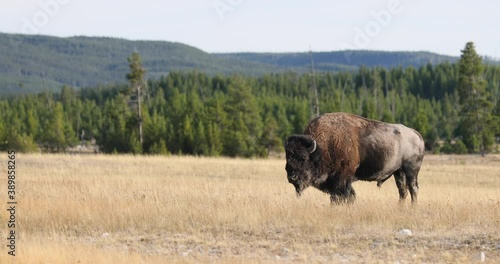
<point>455,106</point>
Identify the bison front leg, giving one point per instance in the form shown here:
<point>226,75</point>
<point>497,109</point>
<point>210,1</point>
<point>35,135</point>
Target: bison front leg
<point>343,195</point>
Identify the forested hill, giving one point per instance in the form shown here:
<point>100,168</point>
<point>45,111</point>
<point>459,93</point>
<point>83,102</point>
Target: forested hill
<point>344,60</point>
<point>90,61</point>
<point>35,63</point>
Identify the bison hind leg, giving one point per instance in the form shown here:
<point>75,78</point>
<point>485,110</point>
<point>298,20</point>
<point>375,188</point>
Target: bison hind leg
<point>400,178</point>
<point>412,182</point>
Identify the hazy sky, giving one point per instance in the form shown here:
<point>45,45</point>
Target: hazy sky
<point>277,26</point>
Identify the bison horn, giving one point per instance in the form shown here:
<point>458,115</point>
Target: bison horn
<point>314,147</point>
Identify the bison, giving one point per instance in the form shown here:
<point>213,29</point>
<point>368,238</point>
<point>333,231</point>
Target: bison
<point>340,148</point>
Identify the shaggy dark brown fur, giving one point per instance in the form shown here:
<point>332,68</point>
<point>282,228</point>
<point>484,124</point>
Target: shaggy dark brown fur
<point>339,148</point>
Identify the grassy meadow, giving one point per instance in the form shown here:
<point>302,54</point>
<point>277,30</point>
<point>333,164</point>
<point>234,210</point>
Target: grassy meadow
<point>152,209</point>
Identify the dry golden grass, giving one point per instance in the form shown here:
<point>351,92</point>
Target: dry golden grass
<point>135,209</point>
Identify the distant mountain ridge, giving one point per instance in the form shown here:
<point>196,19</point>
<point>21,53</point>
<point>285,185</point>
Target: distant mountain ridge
<point>345,60</point>
<point>32,63</point>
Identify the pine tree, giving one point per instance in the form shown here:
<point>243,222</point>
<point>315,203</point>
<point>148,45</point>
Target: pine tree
<point>270,138</point>
<point>200,139</point>
<point>113,134</point>
<point>58,135</point>
<point>300,116</point>
<point>451,115</point>
<point>159,148</point>
<point>236,139</point>
<point>476,108</point>
<point>31,124</point>
<point>138,85</point>
<point>2,133</point>
<point>187,136</point>
<point>155,130</point>
<point>369,108</point>
<point>246,124</point>
<point>421,123</point>
<point>214,140</point>
<point>387,116</point>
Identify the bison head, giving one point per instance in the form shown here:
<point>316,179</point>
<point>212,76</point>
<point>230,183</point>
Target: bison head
<point>302,154</point>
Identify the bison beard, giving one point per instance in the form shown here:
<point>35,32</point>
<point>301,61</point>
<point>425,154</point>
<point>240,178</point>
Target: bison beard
<point>339,148</point>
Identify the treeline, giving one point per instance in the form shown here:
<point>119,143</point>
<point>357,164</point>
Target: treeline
<point>196,114</point>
